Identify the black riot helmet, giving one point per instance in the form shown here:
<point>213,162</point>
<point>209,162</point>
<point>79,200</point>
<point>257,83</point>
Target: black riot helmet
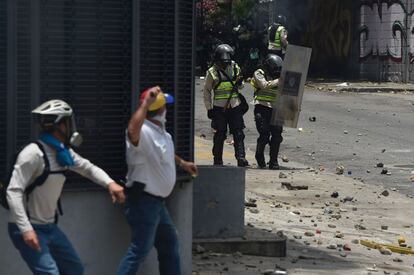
<point>223,55</point>
<point>273,65</point>
<point>281,20</point>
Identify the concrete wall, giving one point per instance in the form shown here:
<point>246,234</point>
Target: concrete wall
<point>219,197</point>
<point>100,233</point>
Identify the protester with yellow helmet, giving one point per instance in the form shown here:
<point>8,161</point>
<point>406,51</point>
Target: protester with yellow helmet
<point>150,179</point>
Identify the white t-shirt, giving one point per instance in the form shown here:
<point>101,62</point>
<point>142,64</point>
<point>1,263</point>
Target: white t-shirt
<point>152,162</point>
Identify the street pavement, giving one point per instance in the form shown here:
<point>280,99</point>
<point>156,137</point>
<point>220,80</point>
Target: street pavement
<point>354,130</point>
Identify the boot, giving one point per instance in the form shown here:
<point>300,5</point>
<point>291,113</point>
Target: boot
<point>274,152</point>
<point>239,151</point>
<point>218,145</point>
<point>260,158</point>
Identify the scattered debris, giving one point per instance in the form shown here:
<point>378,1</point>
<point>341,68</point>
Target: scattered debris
<point>340,170</point>
<point>309,234</point>
<point>385,193</point>
<point>335,194</point>
<point>384,227</point>
<point>254,210</point>
<point>346,247</point>
<point>380,165</point>
<point>312,119</point>
<point>289,186</point>
<point>282,175</point>
<point>347,198</point>
<point>384,171</point>
<point>332,246</point>
<point>285,158</point>
<point>345,132</point>
<point>385,251</point>
<point>202,136</point>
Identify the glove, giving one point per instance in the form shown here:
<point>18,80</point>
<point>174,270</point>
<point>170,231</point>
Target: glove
<point>210,113</point>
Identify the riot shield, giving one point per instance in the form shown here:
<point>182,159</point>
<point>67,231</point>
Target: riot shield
<point>288,103</point>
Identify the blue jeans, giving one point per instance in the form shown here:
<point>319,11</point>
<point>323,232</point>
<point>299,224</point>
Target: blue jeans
<point>57,255</point>
<point>151,225</point>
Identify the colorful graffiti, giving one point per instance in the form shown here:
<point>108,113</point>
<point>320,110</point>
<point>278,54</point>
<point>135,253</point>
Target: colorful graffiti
<point>382,30</point>
<point>330,30</point>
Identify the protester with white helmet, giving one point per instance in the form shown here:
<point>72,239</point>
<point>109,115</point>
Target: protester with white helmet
<point>35,187</point>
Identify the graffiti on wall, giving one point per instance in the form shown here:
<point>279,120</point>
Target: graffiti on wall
<point>382,31</point>
<point>330,30</point>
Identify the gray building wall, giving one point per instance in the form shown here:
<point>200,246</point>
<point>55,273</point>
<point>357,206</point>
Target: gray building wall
<point>100,234</point>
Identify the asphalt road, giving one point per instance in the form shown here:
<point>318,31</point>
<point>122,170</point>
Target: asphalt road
<point>379,128</point>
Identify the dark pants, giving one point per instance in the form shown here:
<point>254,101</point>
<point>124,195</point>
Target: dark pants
<point>233,118</point>
<point>151,225</point>
<point>268,134</point>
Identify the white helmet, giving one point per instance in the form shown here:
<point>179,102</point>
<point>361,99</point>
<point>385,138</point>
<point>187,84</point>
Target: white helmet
<point>54,107</point>
<point>52,112</point>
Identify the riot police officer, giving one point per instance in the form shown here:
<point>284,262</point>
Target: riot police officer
<point>277,37</point>
<point>223,104</point>
<point>266,82</point>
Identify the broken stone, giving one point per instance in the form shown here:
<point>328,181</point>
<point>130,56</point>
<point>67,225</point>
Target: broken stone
<point>360,227</point>
<point>348,198</point>
<point>355,241</point>
<point>340,170</point>
<point>384,171</point>
<point>335,195</point>
<point>385,251</point>
<point>268,272</point>
<point>285,158</point>
<point>296,212</point>
<point>339,235</point>
<point>250,204</point>
<point>343,254</point>
<point>380,165</point>
<point>384,227</point>
<point>289,186</point>
<point>312,119</point>
<point>254,211</point>
<point>309,234</point>
<point>282,175</point>
<point>345,132</point>
<point>332,246</point>
<point>354,208</point>
<point>238,254</point>
<point>298,237</point>
<point>347,247</point>
<point>331,226</point>
<point>251,266</point>
<point>336,216</point>
<point>385,193</point>
<point>397,260</point>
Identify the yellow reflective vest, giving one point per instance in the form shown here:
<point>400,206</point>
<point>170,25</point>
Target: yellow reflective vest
<point>223,87</point>
<point>266,95</point>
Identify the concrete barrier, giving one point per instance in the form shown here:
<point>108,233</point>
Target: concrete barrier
<point>218,208</point>
<point>100,234</point>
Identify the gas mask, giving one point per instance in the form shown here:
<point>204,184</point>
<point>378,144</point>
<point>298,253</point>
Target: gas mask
<point>72,137</point>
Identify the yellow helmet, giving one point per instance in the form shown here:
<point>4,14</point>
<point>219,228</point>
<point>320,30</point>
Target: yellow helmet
<point>160,101</point>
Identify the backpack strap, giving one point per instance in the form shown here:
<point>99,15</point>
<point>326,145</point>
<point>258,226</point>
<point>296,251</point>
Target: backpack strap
<point>46,171</point>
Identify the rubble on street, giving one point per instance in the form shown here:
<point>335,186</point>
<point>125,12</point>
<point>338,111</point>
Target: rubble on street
<point>324,232</point>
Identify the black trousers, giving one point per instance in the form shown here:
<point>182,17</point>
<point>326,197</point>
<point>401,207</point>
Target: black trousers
<point>232,118</point>
<point>268,134</point>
